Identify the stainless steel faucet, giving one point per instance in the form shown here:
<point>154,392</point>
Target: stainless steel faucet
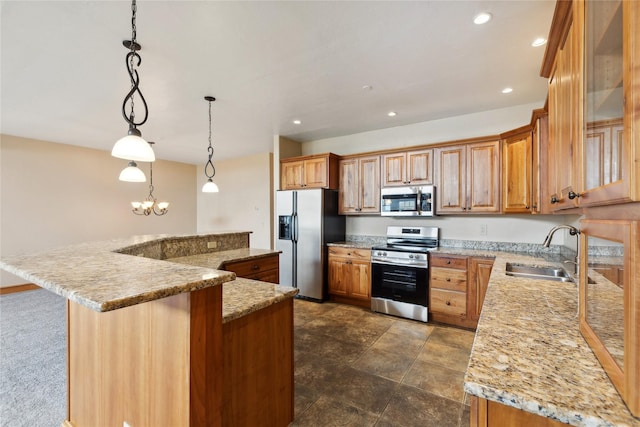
<point>572,231</point>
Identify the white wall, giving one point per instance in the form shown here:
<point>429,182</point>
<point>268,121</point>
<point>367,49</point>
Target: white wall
<point>57,194</point>
<point>500,228</point>
<point>245,200</point>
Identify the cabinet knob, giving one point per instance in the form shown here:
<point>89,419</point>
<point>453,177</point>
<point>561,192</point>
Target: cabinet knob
<point>255,267</point>
<point>448,279</point>
<point>572,195</point>
<point>526,207</point>
<point>448,261</point>
<point>448,302</point>
<point>554,200</point>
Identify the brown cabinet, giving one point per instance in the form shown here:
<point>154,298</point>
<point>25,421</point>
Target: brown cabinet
<point>407,168</point>
<point>468,178</point>
<point>350,275</point>
<point>487,413</point>
<point>517,176</point>
<point>318,171</point>
<point>457,285</point>
<point>359,185</point>
<point>265,269</point>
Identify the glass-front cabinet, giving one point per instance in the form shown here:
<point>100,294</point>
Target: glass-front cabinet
<point>611,101</point>
<point>610,301</point>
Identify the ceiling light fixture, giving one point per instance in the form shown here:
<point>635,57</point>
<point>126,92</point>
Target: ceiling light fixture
<point>507,90</point>
<point>482,18</point>
<point>132,173</point>
<point>539,42</point>
<point>150,204</point>
<point>297,122</point>
<point>132,146</point>
<point>210,186</point>
<point>392,114</point>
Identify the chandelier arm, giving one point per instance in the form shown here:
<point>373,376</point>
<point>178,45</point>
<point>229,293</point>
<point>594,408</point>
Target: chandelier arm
<point>135,87</point>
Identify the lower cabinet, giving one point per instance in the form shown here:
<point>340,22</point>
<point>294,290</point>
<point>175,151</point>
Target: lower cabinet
<point>350,275</point>
<point>486,413</point>
<point>457,285</point>
<point>265,269</point>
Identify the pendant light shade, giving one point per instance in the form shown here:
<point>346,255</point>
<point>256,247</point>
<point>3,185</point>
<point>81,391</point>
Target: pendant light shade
<point>210,187</point>
<point>132,173</point>
<point>133,147</point>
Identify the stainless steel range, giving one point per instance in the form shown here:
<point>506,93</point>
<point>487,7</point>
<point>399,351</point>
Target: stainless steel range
<point>400,276</point>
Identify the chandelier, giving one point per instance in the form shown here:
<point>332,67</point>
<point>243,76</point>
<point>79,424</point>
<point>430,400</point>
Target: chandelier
<point>132,146</point>
<point>150,204</point>
<point>209,170</point>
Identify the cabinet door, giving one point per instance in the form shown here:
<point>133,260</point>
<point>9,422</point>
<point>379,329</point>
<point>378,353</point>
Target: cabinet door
<point>394,169</point>
<point>348,194</point>
<point>369,184</point>
<point>315,173</point>
<point>360,280</point>
<point>516,174</point>
<point>483,177</point>
<point>451,179</point>
<point>339,275</point>
<point>420,167</point>
<point>479,273</point>
<point>291,175</point>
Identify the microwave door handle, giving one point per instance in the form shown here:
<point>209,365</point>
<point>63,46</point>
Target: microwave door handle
<point>419,201</point>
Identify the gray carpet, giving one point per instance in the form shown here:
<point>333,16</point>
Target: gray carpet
<point>33,387</point>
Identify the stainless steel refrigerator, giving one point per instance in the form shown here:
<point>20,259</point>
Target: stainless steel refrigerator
<point>307,221</point>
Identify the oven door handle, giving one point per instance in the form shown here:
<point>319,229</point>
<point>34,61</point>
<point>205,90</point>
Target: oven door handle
<point>401,263</point>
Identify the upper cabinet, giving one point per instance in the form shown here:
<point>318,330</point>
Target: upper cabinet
<point>407,168</point>
<point>468,178</point>
<point>359,185</point>
<point>517,175</point>
<point>317,171</point>
<point>594,103</point>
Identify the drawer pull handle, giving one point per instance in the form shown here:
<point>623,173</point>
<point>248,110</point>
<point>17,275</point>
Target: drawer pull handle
<point>448,302</point>
<point>448,279</point>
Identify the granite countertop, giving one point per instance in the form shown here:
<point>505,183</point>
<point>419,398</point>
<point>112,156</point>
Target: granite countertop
<point>244,296</point>
<point>96,276</point>
<point>529,354</point>
<point>218,259</point>
<point>354,245</point>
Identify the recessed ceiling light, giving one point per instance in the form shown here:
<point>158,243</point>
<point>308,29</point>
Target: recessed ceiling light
<point>392,114</point>
<point>538,42</point>
<point>507,90</point>
<point>297,122</point>
<point>482,18</point>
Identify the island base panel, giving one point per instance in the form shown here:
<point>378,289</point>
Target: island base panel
<point>486,413</point>
<point>147,364</point>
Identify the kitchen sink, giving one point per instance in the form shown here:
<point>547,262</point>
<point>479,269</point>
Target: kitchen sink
<point>535,272</point>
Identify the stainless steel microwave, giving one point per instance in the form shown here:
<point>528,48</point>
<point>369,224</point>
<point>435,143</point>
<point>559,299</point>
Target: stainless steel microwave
<point>408,201</point>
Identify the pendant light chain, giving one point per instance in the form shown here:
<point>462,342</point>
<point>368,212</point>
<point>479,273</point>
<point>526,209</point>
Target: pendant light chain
<point>209,163</point>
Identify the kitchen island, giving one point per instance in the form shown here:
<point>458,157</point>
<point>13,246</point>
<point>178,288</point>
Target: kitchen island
<point>146,341</point>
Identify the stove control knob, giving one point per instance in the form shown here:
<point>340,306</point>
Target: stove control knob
<point>410,256</point>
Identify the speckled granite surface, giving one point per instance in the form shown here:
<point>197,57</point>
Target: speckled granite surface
<point>97,276</point>
<point>244,296</point>
<point>528,352</point>
<point>218,259</point>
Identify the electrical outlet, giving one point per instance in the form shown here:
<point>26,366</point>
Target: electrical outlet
<point>483,230</point>
<point>212,245</point>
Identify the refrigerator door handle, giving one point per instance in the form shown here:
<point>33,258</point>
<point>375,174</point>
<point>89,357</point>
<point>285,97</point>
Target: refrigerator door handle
<point>294,227</point>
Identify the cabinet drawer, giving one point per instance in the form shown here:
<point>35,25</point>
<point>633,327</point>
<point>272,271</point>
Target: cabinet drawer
<point>459,263</point>
<point>252,267</point>
<point>362,254</point>
<point>448,278</point>
<point>448,302</point>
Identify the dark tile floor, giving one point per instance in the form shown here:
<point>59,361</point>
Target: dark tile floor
<point>358,368</point>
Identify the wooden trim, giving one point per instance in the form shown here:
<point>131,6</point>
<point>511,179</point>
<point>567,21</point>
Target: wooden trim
<point>67,423</point>
<point>351,301</point>
<point>487,138</point>
<point>18,288</point>
<point>308,157</point>
<point>517,133</point>
<point>562,18</point>
<point>537,114</point>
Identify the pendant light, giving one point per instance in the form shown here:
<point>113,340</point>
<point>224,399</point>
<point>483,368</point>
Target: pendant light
<point>150,204</point>
<point>210,186</point>
<point>132,146</point>
<point>132,173</point>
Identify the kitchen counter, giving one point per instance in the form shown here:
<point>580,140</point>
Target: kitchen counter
<point>217,260</point>
<point>528,352</point>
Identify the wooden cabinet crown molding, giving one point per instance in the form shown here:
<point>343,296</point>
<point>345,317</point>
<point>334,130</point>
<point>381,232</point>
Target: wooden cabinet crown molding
<point>562,17</point>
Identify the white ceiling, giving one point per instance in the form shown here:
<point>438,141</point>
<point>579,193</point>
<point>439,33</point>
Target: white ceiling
<point>63,74</point>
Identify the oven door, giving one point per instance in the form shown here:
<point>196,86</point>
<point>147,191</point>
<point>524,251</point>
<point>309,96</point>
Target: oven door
<point>403,283</point>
